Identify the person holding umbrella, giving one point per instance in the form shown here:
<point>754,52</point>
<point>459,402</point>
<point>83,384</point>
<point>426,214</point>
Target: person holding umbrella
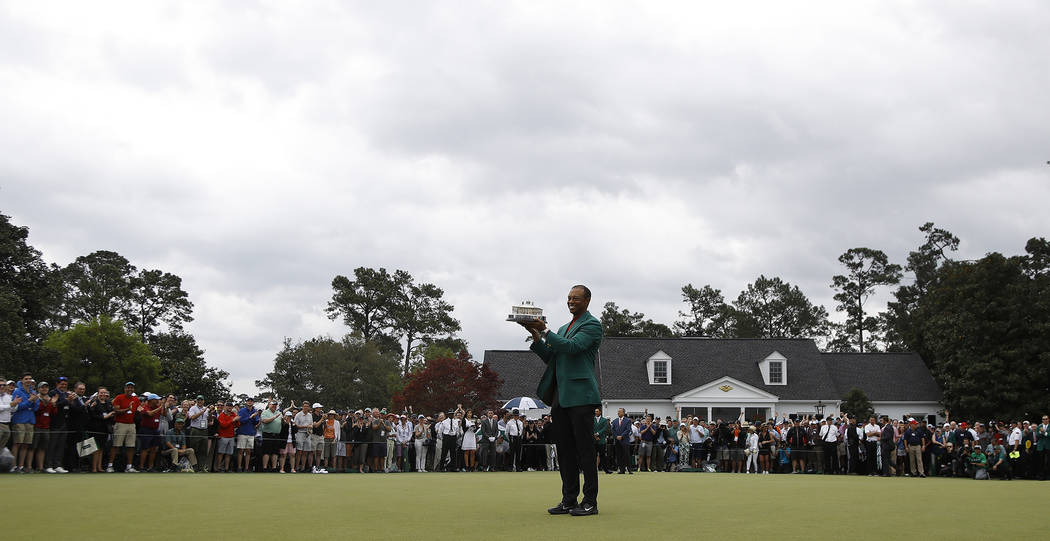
<point>569,386</point>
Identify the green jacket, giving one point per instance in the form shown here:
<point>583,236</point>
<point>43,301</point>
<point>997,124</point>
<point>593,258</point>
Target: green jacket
<point>602,429</point>
<point>1042,437</point>
<point>570,359</point>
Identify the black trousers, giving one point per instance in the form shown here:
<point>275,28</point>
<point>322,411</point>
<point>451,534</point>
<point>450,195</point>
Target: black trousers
<point>889,456</point>
<point>515,453</point>
<point>870,448</point>
<point>831,458</point>
<point>574,438</point>
<point>623,449</point>
<point>853,457</point>
<point>448,449</point>
<point>599,452</point>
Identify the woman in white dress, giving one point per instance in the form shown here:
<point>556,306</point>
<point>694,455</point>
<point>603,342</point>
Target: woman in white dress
<point>470,441</point>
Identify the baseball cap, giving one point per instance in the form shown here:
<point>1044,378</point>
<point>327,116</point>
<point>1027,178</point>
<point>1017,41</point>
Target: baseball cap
<point>420,417</point>
<point>287,414</point>
<point>42,384</point>
<point>200,397</point>
<point>331,412</point>
<point>180,419</point>
<point>132,383</point>
<point>63,378</point>
<point>317,404</point>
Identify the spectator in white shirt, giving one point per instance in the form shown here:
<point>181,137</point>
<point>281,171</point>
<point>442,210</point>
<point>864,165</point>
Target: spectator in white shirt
<point>402,435</point>
<point>197,417</point>
<point>5,411</point>
<point>751,450</point>
<point>872,432</point>
<point>829,437</point>
<point>304,424</point>
<point>450,431</point>
<point>514,433</point>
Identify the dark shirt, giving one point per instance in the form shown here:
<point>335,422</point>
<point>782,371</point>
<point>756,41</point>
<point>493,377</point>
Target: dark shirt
<point>78,413</point>
<point>95,421</point>
<point>887,433</point>
<point>649,432</point>
<point>914,436</point>
<point>58,419</point>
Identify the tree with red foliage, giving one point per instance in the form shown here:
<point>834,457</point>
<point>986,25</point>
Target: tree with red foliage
<point>445,382</point>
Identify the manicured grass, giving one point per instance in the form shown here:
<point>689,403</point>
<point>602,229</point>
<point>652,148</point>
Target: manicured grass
<point>513,505</point>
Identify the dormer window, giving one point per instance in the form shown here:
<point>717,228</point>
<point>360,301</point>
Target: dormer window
<point>776,372</point>
<point>659,368</point>
<point>659,371</point>
<point>774,369</point>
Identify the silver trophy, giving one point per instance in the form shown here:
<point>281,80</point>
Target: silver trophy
<point>526,311</point>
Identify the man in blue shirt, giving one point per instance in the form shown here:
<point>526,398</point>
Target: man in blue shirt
<point>249,418</point>
<point>24,403</point>
<point>914,443</point>
<point>645,448</point>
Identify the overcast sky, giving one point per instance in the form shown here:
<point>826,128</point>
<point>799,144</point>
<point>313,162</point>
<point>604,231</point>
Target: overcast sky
<point>505,151</point>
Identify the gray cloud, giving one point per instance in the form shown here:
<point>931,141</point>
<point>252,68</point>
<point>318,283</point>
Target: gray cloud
<point>507,151</point>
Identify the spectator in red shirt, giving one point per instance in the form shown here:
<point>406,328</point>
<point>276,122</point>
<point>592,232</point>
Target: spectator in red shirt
<point>124,406</point>
<point>228,423</point>
<point>42,427</point>
<point>149,431</point>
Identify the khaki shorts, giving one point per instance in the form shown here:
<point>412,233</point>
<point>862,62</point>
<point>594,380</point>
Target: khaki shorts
<point>245,441</point>
<point>123,435</point>
<point>302,441</point>
<point>316,442</point>
<point>23,433</point>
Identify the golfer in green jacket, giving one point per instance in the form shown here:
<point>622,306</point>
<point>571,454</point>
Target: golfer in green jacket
<point>568,385</point>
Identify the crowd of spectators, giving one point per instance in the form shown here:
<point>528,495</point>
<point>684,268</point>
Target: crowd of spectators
<point>61,429</point>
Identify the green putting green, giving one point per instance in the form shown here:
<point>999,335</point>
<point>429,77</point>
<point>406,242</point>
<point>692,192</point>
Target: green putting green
<point>513,505</point>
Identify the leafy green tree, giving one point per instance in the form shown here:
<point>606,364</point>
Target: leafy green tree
<point>182,365</point>
<point>420,313</point>
<point>708,315</point>
<point>368,303</point>
<point>985,325</point>
<point>157,298</point>
<point>384,307</point>
<point>30,295</point>
<point>617,322</point>
<point>103,352</point>
<point>352,372</point>
<point>98,284</point>
<point>856,404</point>
<point>867,269</point>
<point>903,328</point>
<point>773,308</point>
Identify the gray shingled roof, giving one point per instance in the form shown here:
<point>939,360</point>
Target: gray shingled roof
<point>883,376</point>
<point>621,369</point>
<point>520,370</point>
